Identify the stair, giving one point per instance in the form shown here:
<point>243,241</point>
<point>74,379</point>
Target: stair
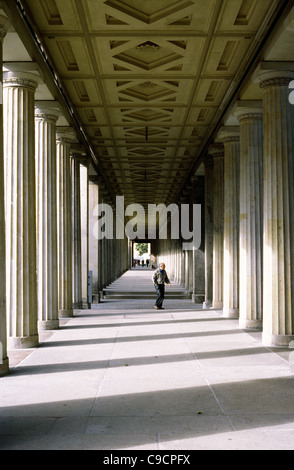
<point>137,284</point>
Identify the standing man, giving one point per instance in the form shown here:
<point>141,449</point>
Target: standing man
<point>159,279</point>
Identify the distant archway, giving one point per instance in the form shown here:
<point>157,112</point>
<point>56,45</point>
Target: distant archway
<point>141,254</point>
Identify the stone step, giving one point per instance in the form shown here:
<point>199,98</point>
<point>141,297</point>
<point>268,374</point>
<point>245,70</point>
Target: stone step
<point>138,285</point>
<point>112,294</point>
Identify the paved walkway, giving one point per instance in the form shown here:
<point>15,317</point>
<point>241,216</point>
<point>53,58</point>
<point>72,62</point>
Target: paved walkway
<point>124,376</point>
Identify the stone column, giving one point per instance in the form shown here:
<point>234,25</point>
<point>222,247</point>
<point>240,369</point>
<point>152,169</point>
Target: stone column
<point>19,144</point>
<point>84,183</point>
<point>217,152</point>
<point>187,285</point>
<point>278,241</point>
<point>182,267</point>
<point>78,157</point>
<point>208,215</point>
<point>251,213</point>
<point>4,362</point>
<point>46,187</point>
<point>198,268</point>
<point>94,262</point>
<point>230,137</point>
<point>64,140</point>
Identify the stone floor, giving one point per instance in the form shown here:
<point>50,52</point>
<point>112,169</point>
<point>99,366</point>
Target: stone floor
<point>124,376</point>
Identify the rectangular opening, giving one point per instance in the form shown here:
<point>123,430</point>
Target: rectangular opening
<point>141,255</point>
<point>68,56</point>
<point>51,12</point>
<point>245,13</point>
<point>226,56</point>
<point>81,91</point>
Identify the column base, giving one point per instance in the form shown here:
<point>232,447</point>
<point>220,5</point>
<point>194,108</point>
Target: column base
<point>78,305</point>
<point>96,299</point>
<point>217,304</point>
<point>4,367</point>
<point>246,324</point>
<point>23,342</point>
<point>48,325</point>
<point>231,313</point>
<point>277,341</point>
<point>65,313</point>
<point>197,298</point>
<point>207,304</point>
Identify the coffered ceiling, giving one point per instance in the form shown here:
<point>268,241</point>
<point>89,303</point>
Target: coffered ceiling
<point>150,80</point>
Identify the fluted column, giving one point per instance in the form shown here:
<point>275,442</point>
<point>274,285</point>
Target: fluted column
<point>231,140</point>
<point>84,186</point>
<point>19,144</point>
<point>208,168</point>
<point>94,260</point>
<point>198,258</point>
<point>187,285</point>
<point>102,254</point>
<point>64,141</point>
<point>46,191</point>
<point>4,362</point>
<point>251,213</point>
<point>278,242</point>
<point>217,152</point>
<point>78,157</point>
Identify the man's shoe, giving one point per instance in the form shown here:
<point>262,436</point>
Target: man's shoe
<point>161,308</point>
<point>156,308</point>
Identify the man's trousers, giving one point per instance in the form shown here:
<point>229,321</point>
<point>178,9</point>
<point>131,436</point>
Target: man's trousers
<point>160,295</point>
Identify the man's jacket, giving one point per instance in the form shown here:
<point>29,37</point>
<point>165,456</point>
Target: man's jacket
<point>160,277</point>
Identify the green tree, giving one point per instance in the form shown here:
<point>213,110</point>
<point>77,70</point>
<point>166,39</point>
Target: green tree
<point>142,248</point>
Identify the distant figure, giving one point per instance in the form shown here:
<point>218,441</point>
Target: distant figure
<point>147,262</point>
<point>160,278</point>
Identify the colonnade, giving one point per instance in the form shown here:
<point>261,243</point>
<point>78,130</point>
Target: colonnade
<point>47,247</point>
<point>249,223</point>
<point>48,193</point>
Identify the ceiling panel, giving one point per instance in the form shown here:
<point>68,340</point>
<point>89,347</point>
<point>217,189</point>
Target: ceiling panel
<point>149,79</point>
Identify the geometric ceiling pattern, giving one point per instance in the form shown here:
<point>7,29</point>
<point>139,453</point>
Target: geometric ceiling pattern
<point>149,79</point>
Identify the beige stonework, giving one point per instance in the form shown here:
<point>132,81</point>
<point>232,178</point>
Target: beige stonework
<point>4,361</point>
<point>230,137</point>
<point>278,244</point>
<point>217,152</point>
<point>64,139</point>
<point>19,148</point>
<point>46,199</point>
<point>251,212</point>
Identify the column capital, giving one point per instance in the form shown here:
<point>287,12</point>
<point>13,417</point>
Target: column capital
<point>216,150</point>
<point>248,110</point>
<point>274,74</point>
<point>25,74</point>
<point>47,110</point>
<point>65,134</point>
<point>229,134</point>
<point>78,152</point>
<point>95,179</point>
<point>208,161</point>
<point>194,179</point>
